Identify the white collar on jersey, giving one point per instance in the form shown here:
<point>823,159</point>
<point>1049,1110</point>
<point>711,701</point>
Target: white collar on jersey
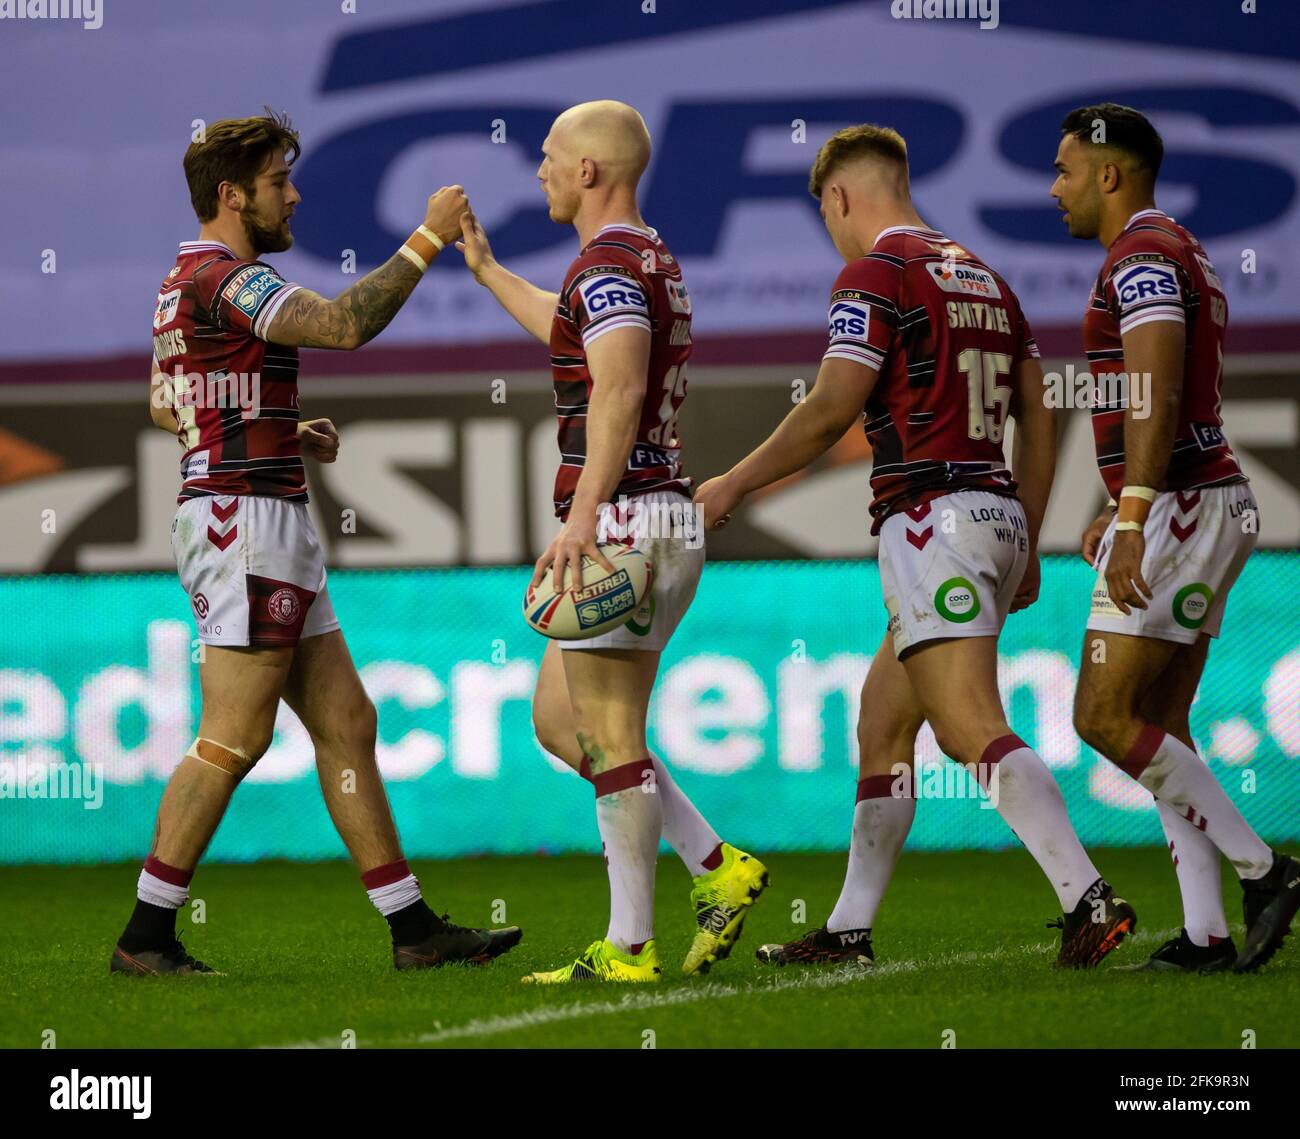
<point>1151,212</point>
<point>647,232</point>
<point>197,246</point>
<point>925,231</point>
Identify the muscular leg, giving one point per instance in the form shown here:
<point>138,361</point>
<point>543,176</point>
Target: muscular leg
<point>1166,704</point>
<point>552,716</point>
<point>687,831</point>
<point>888,719</point>
<point>1108,716</point>
<point>241,690</point>
<point>956,685</point>
<point>326,693</point>
<point>609,692</point>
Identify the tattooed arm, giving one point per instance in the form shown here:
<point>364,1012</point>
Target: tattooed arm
<point>360,313</point>
<point>354,317</point>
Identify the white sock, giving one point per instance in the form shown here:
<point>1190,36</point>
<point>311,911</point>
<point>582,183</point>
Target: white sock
<point>391,888</point>
<point>629,812</point>
<point>1174,774</point>
<point>1031,803</point>
<point>157,892</point>
<point>685,829</point>
<point>880,825</point>
<point>1196,863</point>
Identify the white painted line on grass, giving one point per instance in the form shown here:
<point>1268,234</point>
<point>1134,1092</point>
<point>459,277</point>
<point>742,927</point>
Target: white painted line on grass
<point>639,1001</point>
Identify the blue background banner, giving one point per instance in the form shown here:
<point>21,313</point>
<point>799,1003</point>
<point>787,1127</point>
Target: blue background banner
<point>396,98</point>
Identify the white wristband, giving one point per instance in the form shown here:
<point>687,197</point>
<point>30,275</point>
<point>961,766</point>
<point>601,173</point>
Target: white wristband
<point>438,243</point>
<point>1137,526</point>
<point>414,258</point>
<point>1146,493</point>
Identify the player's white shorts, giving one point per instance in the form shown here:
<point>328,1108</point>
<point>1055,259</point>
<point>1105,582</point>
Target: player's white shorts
<point>950,567</point>
<point>662,525</point>
<point>254,571</point>
<point>1196,543</point>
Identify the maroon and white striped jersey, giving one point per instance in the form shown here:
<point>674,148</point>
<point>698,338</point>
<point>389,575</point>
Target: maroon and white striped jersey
<point>1156,270</point>
<point>945,334</point>
<point>624,278</point>
<point>236,394</point>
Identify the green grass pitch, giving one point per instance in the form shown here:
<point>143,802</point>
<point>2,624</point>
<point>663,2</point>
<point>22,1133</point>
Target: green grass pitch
<point>961,947</point>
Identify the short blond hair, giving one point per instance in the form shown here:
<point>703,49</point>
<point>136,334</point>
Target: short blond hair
<point>865,141</point>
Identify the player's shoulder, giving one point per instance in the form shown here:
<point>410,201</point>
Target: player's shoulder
<point>875,273</point>
<point>616,245</point>
<point>228,273</point>
<point>597,264</point>
<point>1150,236</point>
<point>614,264</point>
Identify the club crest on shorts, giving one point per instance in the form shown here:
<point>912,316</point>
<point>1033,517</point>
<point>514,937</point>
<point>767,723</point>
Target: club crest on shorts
<point>284,607</point>
<point>956,600</point>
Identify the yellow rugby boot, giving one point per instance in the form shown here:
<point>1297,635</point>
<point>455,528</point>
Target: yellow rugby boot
<point>721,899</point>
<point>604,961</point>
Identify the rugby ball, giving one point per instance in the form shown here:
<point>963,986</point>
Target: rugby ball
<point>605,601</point>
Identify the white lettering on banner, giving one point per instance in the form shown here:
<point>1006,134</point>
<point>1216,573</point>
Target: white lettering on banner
<point>478,691</point>
<point>802,689</point>
<point>713,715</point>
<point>33,715</point>
<point>506,501</point>
<point>1281,708</point>
<point>291,756</point>
<point>420,528</point>
<point>685,718</point>
<point>1050,679</point>
<point>161,691</point>
<point>412,687</point>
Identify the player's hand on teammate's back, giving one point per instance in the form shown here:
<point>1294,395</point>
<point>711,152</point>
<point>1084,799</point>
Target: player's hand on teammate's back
<point>1092,536</point>
<point>444,212</point>
<point>319,438</point>
<point>1027,590</point>
<point>567,549</point>
<point>474,244</point>
<point>717,499</point>
<point>1124,580</point>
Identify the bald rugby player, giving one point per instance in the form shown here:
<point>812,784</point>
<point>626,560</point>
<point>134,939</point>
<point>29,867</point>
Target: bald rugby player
<point>619,332</point>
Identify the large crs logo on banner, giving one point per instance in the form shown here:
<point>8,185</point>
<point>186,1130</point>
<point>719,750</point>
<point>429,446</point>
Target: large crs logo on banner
<point>714,135</point>
<point>346,171</point>
<point>738,95</point>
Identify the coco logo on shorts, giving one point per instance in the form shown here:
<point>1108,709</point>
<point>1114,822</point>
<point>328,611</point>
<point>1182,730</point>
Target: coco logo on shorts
<point>957,600</point>
<point>1192,605</point>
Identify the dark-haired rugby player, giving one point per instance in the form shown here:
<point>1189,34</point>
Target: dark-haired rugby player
<point>227,328</point>
<point>1182,526</point>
